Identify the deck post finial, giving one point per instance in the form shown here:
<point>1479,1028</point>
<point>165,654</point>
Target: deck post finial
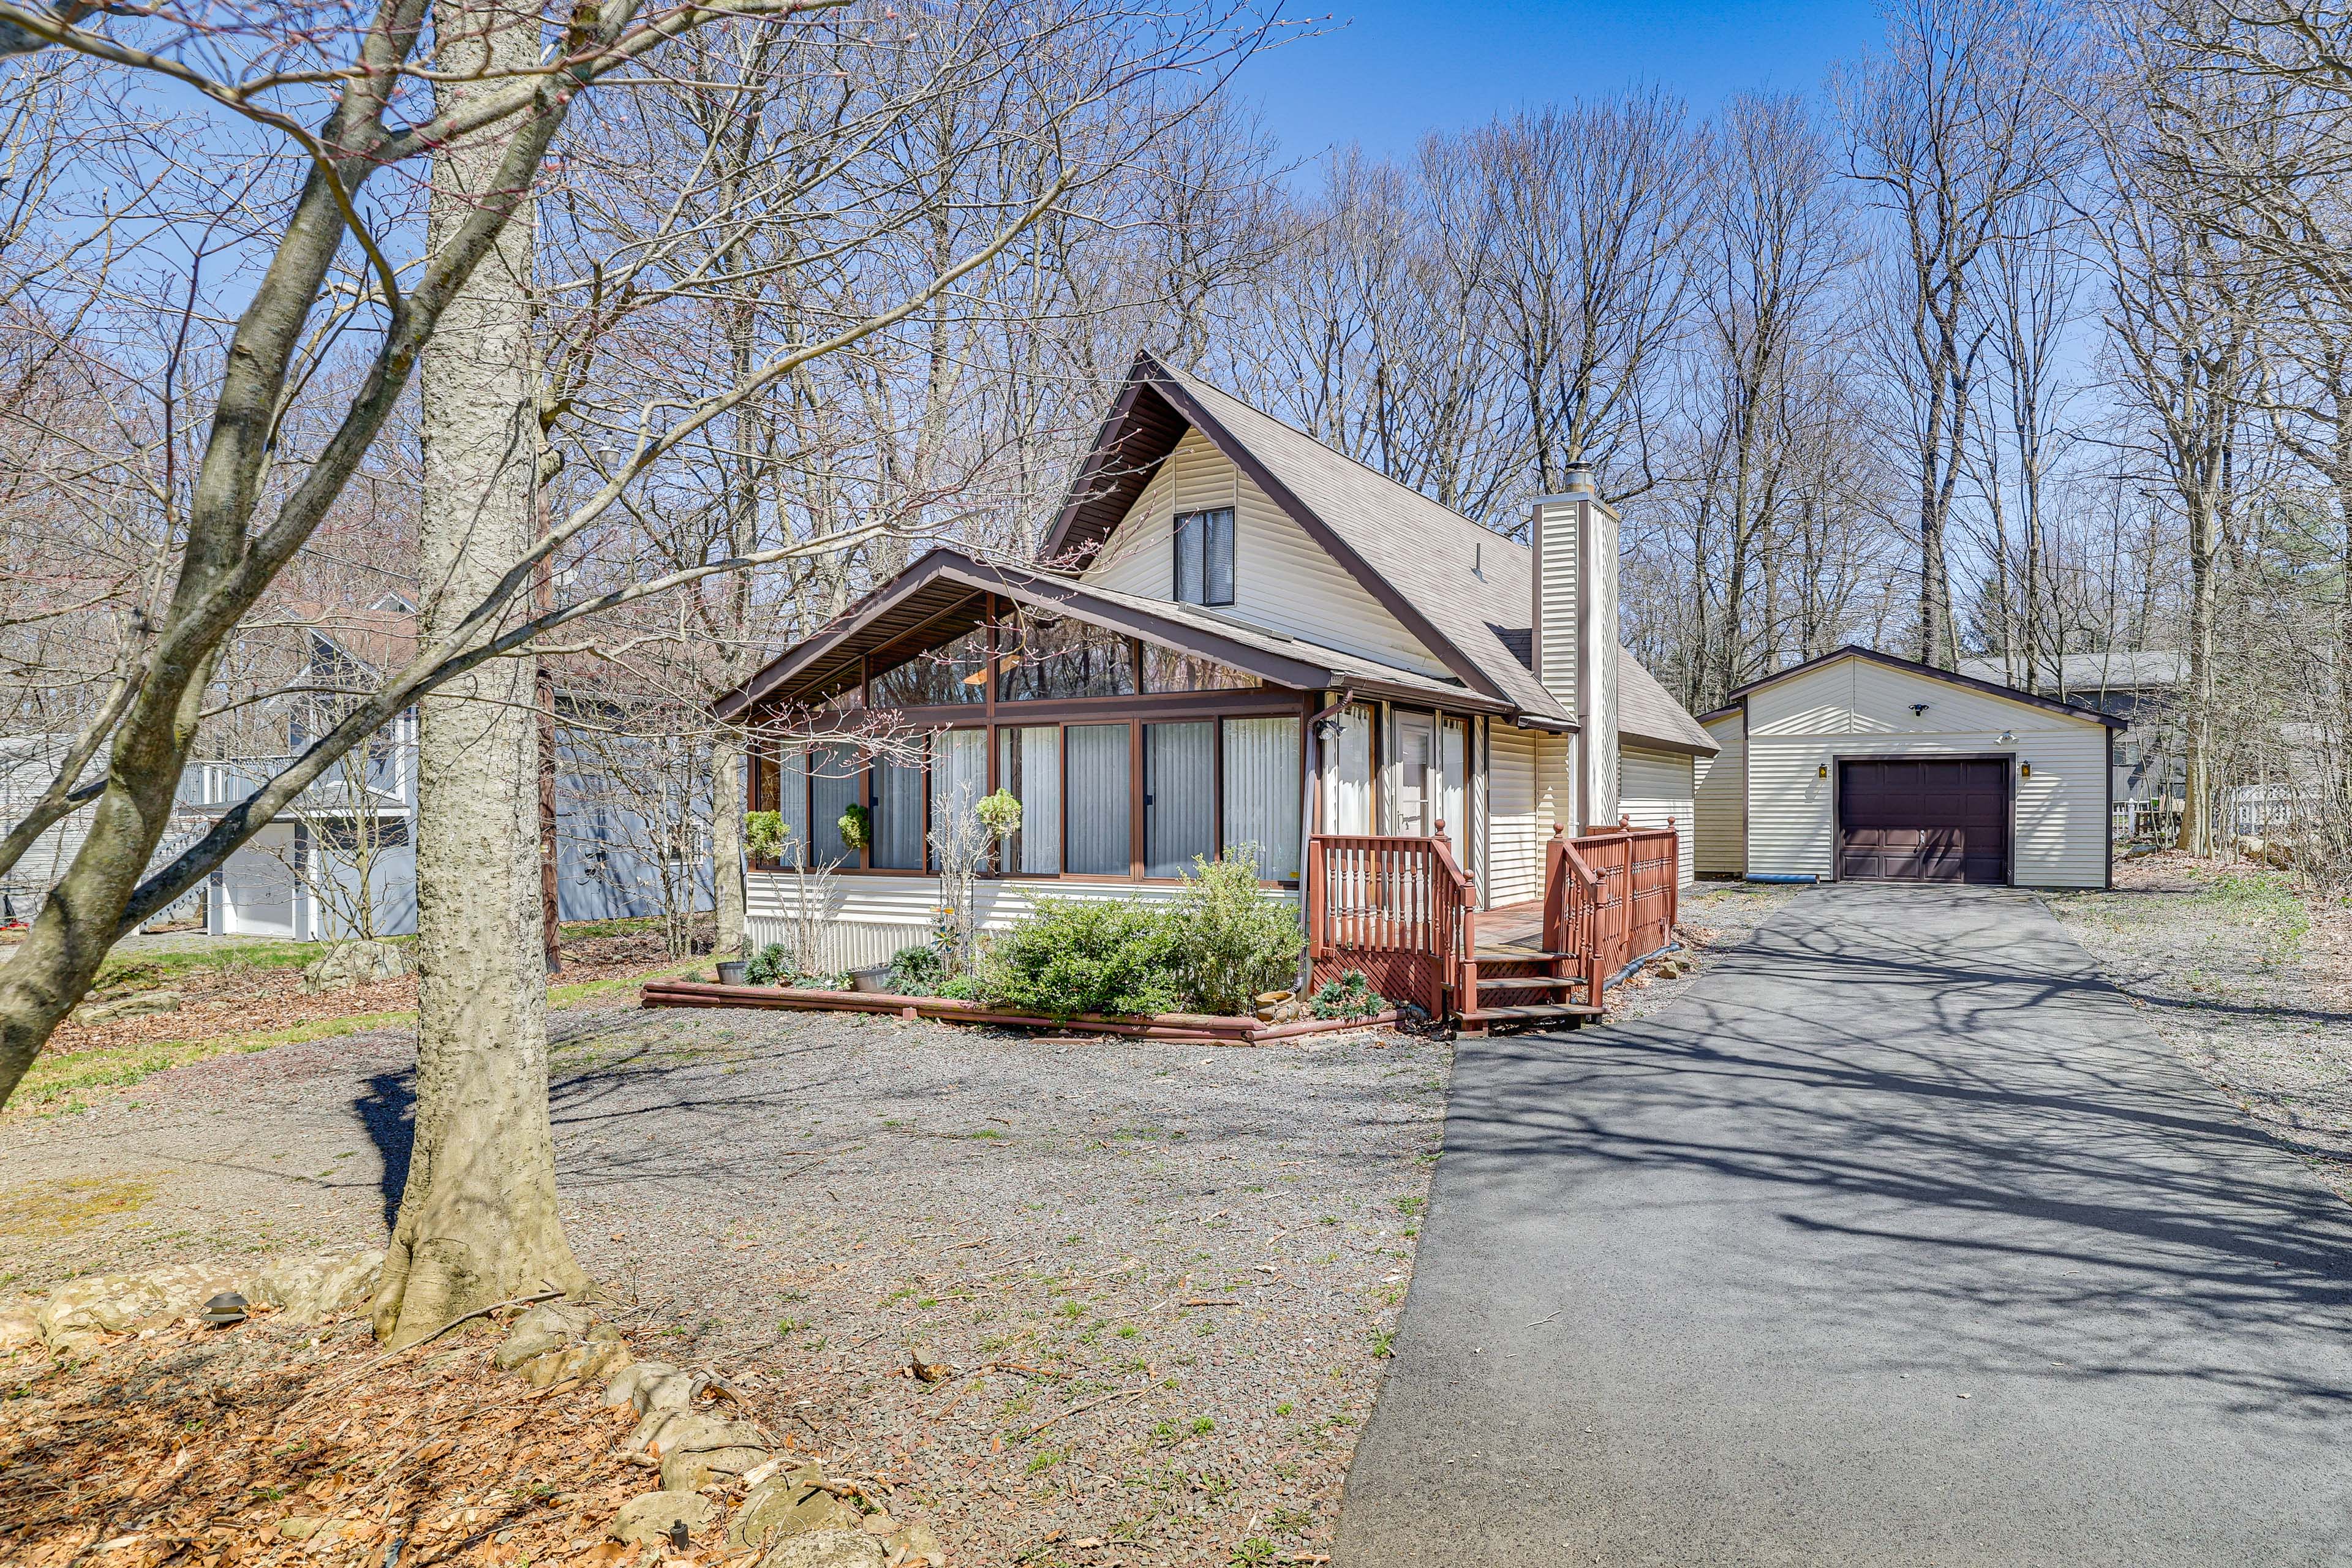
<point>1555,830</point>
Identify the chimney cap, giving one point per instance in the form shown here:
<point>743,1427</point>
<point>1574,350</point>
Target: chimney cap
<point>1576,484</point>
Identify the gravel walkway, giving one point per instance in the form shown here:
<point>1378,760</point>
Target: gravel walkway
<point>1167,1274</point>
<point>2247,977</point>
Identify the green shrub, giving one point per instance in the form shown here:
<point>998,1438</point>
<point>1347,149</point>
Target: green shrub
<point>1069,958</point>
<point>915,970</point>
<point>1349,996</point>
<point>961,987</point>
<point>767,966</point>
<point>1237,941</point>
<point>764,835</point>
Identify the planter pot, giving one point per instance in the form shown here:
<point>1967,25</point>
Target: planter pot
<point>870,978</point>
<point>731,971</point>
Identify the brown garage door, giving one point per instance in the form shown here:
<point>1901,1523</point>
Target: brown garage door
<point>1901,820</point>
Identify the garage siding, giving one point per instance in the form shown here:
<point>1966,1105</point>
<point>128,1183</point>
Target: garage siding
<point>1720,802</point>
<point>1855,708</point>
<point>1654,790</point>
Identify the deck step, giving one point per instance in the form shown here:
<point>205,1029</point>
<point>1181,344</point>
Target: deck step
<point>1527,981</point>
<point>1570,1013</point>
<point>1517,955</point>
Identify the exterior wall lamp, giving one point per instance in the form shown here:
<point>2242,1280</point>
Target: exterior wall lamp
<point>1825,769</point>
<point>2025,770</point>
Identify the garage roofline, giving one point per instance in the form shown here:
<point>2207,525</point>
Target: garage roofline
<point>1738,697</point>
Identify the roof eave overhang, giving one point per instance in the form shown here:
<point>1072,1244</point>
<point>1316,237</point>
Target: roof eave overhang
<point>1073,599</point>
<point>1951,677</point>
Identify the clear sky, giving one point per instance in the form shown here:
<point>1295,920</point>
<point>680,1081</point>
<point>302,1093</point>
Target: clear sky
<point>1382,72</point>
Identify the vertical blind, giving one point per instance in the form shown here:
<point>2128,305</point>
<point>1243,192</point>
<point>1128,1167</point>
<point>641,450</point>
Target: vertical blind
<point>834,774</point>
<point>1352,773</point>
<point>958,777</point>
<point>898,814</point>
<point>1261,790</point>
<point>1029,765</point>
<point>791,802</point>
<point>1180,785</point>
<point>1099,800</point>
<point>1453,797</point>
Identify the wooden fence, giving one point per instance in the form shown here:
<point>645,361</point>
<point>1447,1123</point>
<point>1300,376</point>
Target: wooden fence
<point>1610,897</point>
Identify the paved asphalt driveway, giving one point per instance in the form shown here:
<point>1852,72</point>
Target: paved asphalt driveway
<point>1899,1240</point>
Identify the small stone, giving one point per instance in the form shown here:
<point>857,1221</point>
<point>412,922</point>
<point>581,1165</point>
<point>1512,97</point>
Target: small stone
<point>144,1004</point>
<point>926,1363</point>
<point>622,1389</point>
<point>312,1290</point>
<point>102,1304</point>
<point>790,1504</point>
<point>915,1544</point>
<point>675,1391</point>
<point>648,1520</point>
<point>550,1325</point>
<point>19,1326</point>
<point>299,1526</point>
<point>826,1549</point>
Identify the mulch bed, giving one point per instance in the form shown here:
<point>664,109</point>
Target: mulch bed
<point>247,999</point>
<point>196,1447</point>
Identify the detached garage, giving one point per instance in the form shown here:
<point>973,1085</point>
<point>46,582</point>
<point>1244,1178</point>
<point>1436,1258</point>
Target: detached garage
<point>1860,766</point>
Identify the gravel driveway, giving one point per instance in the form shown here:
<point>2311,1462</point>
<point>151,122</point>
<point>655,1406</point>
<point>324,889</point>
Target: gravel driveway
<point>1180,1264</point>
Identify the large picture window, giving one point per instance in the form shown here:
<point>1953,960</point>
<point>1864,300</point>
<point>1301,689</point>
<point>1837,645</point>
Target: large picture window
<point>1166,669</point>
<point>958,777</point>
<point>1029,766</point>
<point>955,673</point>
<point>1263,789</point>
<point>1204,557</point>
<point>1179,783</point>
<point>1053,658</point>
<point>1099,801</point>
<point>899,814</point>
<point>835,776</point>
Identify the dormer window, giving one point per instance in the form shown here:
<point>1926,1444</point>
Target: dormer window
<point>1204,557</point>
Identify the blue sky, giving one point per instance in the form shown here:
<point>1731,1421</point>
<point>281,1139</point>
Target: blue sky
<point>1383,71</point>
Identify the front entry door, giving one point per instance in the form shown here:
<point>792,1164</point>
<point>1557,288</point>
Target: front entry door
<point>1415,799</point>
<point>1914,820</point>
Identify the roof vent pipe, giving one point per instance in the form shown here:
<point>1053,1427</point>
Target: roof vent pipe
<point>1576,480</point>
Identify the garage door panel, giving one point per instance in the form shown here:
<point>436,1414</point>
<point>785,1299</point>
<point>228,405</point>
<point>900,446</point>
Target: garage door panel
<point>1923,820</point>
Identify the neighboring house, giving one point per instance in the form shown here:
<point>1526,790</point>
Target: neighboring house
<point>1233,636</point>
<point>342,859</point>
<point>1861,766</point>
<point>2141,687</point>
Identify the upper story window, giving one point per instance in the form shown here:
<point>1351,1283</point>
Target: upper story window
<point>1204,556</point>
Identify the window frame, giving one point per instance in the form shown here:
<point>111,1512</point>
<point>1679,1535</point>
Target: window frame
<point>1212,522</point>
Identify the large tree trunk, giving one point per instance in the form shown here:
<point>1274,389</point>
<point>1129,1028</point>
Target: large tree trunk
<point>478,1218</point>
<point>727,842</point>
<point>2196,825</point>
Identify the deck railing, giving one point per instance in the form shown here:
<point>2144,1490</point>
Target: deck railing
<point>1610,897</point>
<point>1393,906</point>
<point>1399,908</point>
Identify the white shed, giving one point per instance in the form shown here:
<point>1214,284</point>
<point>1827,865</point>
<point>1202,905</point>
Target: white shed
<point>1862,766</point>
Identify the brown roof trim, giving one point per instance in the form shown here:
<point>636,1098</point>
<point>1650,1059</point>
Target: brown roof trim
<point>1991,688</point>
<point>1036,587</point>
<point>1726,711</point>
<point>1147,372</point>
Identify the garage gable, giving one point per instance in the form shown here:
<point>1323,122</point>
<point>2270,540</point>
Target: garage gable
<point>1858,696</point>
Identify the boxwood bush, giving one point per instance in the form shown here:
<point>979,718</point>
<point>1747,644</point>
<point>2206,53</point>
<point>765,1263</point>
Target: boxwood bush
<point>1220,942</point>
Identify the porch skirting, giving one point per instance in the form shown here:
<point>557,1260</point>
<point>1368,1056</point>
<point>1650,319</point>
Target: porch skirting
<point>867,918</point>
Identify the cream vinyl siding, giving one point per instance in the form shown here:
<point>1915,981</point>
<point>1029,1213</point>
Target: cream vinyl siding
<point>1558,528</point>
<point>870,918</point>
<point>1282,580</point>
<point>1719,803</point>
<point>1855,708</point>
<point>1514,848</point>
<point>1654,790</point>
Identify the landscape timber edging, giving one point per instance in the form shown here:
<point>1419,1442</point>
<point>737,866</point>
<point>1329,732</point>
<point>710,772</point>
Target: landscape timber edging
<point>1193,1027</point>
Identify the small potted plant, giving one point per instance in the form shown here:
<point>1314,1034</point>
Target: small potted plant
<point>763,836</point>
<point>857,827</point>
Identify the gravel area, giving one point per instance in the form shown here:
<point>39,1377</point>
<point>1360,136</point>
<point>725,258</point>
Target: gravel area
<point>2248,976</point>
<point>1714,917</point>
<point>1165,1275</point>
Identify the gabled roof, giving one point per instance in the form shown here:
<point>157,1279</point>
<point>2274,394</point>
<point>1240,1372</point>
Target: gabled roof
<point>2118,669</point>
<point>1461,588</point>
<point>1648,714</point>
<point>940,597</point>
<point>1951,677</point>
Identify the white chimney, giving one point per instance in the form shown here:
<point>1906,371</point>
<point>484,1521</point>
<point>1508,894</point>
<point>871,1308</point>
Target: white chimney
<point>1575,633</point>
